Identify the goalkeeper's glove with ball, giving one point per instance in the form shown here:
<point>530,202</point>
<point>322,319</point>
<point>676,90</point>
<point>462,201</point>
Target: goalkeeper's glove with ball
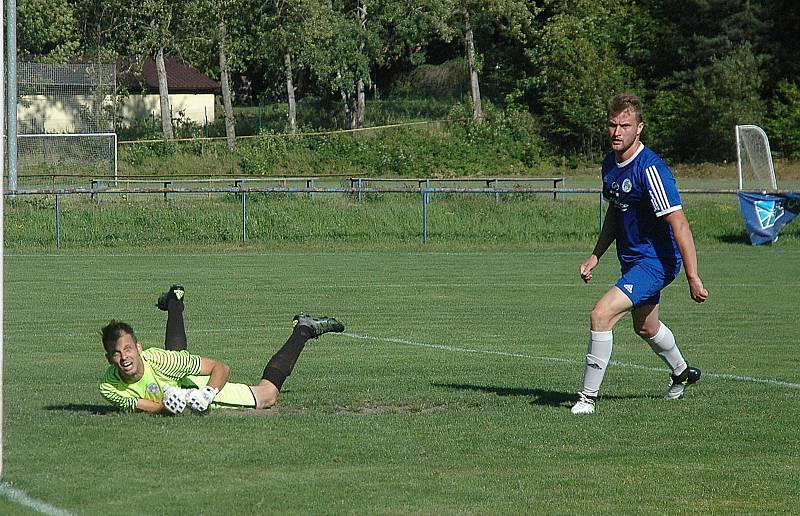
<point>174,399</point>
<point>200,399</point>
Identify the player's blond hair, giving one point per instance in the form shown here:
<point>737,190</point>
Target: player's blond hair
<point>624,101</point>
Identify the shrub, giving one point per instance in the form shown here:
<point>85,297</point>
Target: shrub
<point>784,120</point>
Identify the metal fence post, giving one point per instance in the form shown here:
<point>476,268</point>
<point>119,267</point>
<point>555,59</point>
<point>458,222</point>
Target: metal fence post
<point>58,222</point>
<point>244,217</point>
<point>424,215</point>
<point>427,195</point>
<point>96,186</point>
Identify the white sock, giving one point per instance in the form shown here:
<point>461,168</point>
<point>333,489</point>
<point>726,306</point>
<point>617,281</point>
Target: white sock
<point>600,344</point>
<point>663,344</point>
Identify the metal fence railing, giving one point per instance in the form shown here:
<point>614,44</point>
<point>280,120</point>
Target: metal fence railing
<point>242,191</point>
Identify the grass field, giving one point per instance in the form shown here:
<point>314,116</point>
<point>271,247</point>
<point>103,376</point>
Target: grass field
<point>449,393</point>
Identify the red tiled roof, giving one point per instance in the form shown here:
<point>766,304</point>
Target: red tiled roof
<point>181,77</point>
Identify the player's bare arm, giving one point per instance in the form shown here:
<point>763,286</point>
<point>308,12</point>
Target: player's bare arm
<point>607,235</point>
<point>683,237</point>
<point>217,371</point>
<point>148,406</point>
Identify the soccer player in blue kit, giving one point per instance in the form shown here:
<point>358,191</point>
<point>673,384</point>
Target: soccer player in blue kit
<point>652,236</point>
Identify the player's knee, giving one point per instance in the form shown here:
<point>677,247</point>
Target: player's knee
<point>600,318</point>
<point>645,330</point>
<point>644,333</point>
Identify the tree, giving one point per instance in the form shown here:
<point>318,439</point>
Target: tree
<point>393,33</point>
<point>580,65</point>
<point>47,30</point>
<point>509,17</point>
<point>104,28</point>
<point>706,72</point>
<point>694,121</point>
<point>350,53</point>
<point>784,120</point>
<point>475,89</point>
<point>224,80</point>
<point>297,35</point>
<point>155,33</point>
<point>207,25</point>
<point>783,44</point>
<point>163,94</point>
<point>290,89</point>
<point>360,105</point>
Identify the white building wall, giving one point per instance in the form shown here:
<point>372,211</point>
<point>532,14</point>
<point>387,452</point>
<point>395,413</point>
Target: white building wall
<point>197,108</point>
<point>53,114</point>
<point>62,114</point>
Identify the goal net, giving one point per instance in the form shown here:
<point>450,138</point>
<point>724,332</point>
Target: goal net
<point>754,159</point>
<point>65,121</point>
<point>57,155</point>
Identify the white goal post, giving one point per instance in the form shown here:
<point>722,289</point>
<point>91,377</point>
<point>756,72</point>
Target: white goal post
<point>754,159</point>
<point>87,154</point>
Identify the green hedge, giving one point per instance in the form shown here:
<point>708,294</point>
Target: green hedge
<point>507,143</point>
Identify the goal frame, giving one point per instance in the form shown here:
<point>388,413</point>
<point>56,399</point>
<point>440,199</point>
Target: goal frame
<point>113,137</point>
<point>760,131</point>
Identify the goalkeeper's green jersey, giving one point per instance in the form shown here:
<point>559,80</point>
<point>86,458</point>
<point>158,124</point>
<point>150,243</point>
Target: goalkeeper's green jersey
<point>162,369</point>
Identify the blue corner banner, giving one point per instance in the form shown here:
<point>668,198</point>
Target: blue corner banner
<point>766,214</point>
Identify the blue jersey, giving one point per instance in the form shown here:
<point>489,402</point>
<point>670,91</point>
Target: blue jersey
<point>642,190</point>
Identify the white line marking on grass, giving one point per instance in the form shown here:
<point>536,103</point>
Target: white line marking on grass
<point>516,284</point>
<point>453,349</point>
<point>768,381</point>
<point>227,253</point>
<point>15,495</point>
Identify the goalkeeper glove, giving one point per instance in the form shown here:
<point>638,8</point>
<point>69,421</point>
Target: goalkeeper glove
<point>199,399</point>
<point>174,399</point>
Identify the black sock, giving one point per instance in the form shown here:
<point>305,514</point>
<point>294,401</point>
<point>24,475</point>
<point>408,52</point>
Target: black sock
<point>175,336</point>
<point>281,364</point>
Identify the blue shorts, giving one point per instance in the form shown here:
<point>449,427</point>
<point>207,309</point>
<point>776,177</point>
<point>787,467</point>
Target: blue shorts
<point>643,281</point>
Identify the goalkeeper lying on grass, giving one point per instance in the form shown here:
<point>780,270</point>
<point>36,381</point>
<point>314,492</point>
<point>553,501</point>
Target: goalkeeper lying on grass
<point>168,380</point>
